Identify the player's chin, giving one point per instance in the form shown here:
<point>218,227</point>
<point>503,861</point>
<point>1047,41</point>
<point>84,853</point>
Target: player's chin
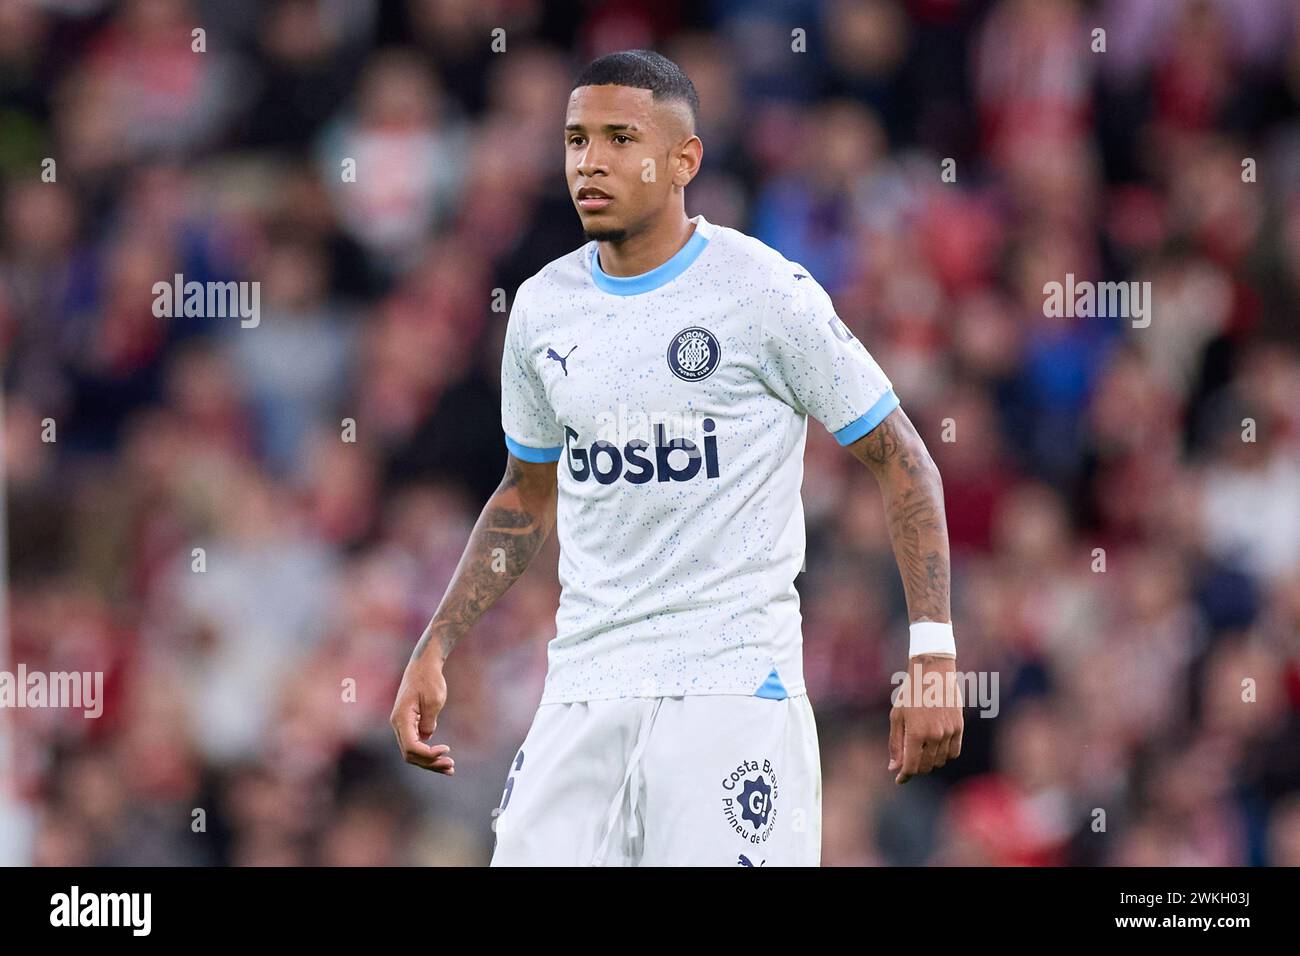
<point>601,229</point>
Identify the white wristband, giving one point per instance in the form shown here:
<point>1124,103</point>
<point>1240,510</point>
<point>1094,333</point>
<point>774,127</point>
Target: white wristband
<point>931,637</point>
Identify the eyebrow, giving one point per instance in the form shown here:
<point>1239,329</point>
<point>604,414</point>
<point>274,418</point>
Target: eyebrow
<point>608,127</point>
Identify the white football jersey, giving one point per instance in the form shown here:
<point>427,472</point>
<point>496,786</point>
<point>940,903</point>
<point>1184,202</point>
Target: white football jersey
<point>675,404</point>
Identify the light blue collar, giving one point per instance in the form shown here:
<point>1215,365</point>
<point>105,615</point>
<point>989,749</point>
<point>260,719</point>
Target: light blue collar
<point>647,281</point>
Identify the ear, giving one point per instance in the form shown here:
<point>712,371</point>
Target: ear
<point>687,160</point>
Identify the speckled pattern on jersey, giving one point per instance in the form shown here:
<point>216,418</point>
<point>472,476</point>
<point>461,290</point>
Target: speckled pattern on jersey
<point>677,564</point>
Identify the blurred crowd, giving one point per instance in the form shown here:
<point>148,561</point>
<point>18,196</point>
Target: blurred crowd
<point>1123,502</point>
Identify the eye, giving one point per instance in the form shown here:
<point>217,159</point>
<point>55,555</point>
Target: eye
<point>574,139</point>
<point>623,136</point>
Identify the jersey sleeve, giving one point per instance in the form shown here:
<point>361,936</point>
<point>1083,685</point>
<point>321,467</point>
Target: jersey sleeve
<point>527,419</point>
<point>813,362</point>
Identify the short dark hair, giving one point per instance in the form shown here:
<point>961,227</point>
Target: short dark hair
<point>644,70</point>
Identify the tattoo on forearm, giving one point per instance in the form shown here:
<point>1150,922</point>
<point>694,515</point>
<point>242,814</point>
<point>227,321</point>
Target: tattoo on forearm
<point>881,443</point>
<point>914,505</point>
<point>506,537</point>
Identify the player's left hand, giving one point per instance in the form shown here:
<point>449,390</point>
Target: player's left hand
<point>923,736</point>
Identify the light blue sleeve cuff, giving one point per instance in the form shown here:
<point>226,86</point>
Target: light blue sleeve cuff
<point>874,416</point>
<point>537,456</point>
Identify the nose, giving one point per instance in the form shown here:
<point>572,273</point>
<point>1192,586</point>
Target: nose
<point>591,161</point>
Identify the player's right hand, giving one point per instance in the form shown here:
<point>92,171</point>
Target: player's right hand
<point>421,697</point>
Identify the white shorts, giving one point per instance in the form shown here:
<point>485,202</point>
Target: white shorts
<point>700,780</point>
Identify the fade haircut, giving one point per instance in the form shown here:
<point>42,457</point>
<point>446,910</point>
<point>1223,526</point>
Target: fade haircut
<point>643,70</point>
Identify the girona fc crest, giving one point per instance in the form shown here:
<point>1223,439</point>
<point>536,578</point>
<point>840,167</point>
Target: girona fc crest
<point>693,354</point>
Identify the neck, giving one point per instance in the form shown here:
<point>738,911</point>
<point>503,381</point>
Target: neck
<point>648,249</point>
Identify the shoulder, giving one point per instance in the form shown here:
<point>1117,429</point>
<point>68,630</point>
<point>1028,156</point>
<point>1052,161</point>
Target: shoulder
<point>736,250</point>
<point>558,278</point>
<point>778,279</point>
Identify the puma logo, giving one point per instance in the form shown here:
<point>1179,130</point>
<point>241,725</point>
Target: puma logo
<point>552,354</point>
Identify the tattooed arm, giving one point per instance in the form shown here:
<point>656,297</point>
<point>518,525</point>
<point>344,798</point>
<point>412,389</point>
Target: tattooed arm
<point>913,496</point>
<point>517,519</point>
<point>511,529</point>
<point>920,738</point>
